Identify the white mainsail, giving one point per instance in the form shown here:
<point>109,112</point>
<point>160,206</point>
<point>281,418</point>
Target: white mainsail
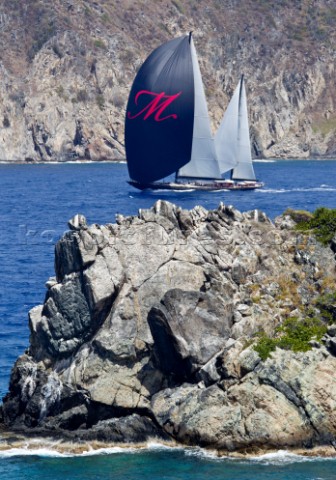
<point>232,140</point>
<point>203,162</point>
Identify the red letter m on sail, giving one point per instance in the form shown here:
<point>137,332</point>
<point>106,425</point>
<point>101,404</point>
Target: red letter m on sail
<point>158,102</point>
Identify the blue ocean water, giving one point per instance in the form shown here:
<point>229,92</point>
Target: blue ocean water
<point>35,203</point>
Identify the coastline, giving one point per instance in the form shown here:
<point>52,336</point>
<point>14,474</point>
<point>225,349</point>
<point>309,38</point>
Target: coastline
<point>19,445</point>
<point>70,162</point>
<point>124,161</point>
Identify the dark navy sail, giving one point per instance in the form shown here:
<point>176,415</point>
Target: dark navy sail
<point>160,113</point>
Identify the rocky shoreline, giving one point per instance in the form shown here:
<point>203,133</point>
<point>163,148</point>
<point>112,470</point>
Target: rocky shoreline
<point>60,162</point>
<point>34,444</point>
<point>123,160</point>
<point>151,326</point>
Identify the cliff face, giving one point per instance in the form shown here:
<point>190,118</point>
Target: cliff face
<point>148,329</point>
<point>66,68</point>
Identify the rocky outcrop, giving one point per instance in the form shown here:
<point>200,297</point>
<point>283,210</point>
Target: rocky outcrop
<point>66,70</point>
<point>284,402</point>
<point>148,330</point>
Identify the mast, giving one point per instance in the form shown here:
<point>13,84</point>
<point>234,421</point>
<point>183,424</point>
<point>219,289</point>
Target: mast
<point>203,162</point>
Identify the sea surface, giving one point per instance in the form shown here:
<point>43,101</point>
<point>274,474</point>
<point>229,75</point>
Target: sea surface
<point>36,201</point>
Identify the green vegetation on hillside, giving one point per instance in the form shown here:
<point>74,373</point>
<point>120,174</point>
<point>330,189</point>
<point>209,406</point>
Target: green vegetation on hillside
<point>327,306</point>
<point>322,224</point>
<point>325,126</point>
<point>99,44</point>
<point>294,334</point>
<point>299,216</point>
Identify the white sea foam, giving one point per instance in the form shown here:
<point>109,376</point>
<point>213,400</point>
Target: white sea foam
<point>282,457</point>
<point>200,452</point>
<point>279,457</point>
<point>27,451</point>
<point>106,451</point>
<point>272,190</point>
<point>162,446</point>
<point>184,191</point>
<point>321,188</point>
<point>55,452</point>
<point>264,161</point>
<point>221,190</point>
<point>164,190</point>
<point>60,450</point>
<point>115,450</point>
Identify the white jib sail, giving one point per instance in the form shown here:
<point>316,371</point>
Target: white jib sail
<point>203,162</point>
<point>244,168</point>
<point>227,134</point>
<point>232,140</point>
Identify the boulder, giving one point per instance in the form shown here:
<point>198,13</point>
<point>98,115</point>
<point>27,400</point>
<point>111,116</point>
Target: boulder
<point>188,329</point>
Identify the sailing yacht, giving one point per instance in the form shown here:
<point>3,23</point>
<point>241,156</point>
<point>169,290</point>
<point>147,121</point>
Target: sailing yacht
<point>167,128</point>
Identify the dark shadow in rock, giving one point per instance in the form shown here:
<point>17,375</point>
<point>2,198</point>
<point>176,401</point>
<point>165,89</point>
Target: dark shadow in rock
<point>189,328</point>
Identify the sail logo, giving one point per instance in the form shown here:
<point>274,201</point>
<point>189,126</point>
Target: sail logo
<point>157,104</point>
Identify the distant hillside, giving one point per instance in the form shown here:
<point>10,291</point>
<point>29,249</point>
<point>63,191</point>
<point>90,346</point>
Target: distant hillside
<point>66,68</point>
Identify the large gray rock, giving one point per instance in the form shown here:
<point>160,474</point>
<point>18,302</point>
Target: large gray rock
<point>64,322</point>
<point>288,400</point>
<point>188,328</point>
<point>149,326</point>
<point>247,415</point>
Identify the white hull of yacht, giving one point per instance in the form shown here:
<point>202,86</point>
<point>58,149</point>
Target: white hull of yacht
<point>203,186</point>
